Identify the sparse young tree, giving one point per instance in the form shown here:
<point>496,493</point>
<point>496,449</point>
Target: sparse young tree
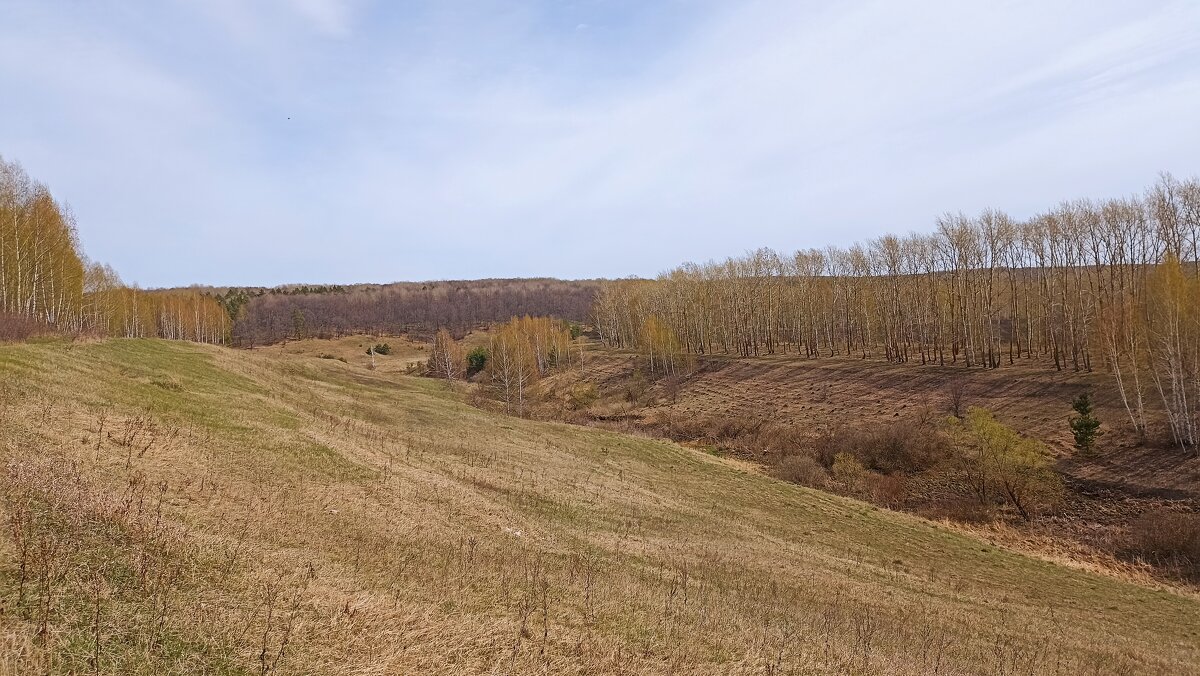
<point>298,324</point>
<point>511,365</point>
<point>447,358</point>
<point>1002,466</point>
<point>522,351</point>
<point>1084,426</point>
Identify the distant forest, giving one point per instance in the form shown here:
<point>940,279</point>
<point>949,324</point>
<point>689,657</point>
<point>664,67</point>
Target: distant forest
<point>269,316</point>
<point>47,284</point>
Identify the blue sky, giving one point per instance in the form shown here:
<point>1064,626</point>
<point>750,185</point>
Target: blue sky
<point>275,141</point>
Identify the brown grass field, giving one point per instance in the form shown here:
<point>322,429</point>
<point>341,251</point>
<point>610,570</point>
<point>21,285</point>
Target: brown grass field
<point>179,508</point>
<point>406,356</point>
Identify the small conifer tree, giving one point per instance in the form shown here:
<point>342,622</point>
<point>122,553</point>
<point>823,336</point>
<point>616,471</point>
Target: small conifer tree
<point>1084,426</point>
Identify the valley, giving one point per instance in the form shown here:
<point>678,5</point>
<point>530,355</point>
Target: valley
<point>202,509</point>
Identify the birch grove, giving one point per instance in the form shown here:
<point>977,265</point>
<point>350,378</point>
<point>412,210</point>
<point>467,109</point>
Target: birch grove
<point>44,277</point>
<point>523,350</point>
<point>1088,285</point>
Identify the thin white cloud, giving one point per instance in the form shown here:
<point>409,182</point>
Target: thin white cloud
<point>332,17</point>
<point>501,140</point>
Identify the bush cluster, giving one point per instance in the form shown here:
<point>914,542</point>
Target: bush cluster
<point>380,348</point>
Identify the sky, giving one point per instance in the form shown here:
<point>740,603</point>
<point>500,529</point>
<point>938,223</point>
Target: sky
<point>262,142</point>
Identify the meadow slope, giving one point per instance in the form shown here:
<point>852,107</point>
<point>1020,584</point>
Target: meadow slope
<point>180,508</point>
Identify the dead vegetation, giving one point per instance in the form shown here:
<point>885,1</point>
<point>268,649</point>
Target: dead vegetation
<point>1169,538</point>
<point>101,580</point>
<point>310,516</point>
<point>895,427</point>
<point>15,328</point>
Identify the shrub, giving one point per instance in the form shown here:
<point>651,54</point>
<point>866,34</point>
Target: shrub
<point>1000,465</point>
<point>802,469</point>
<point>777,438</point>
<point>902,446</point>
<point>583,395</point>
<point>476,360</point>
<point>637,386</point>
<point>849,472</point>
<point>380,348</point>
<point>906,446</point>
<point>1168,536</point>
<point>672,386</point>
<point>956,394</point>
<point>890,490</point>
<point>15,328</point>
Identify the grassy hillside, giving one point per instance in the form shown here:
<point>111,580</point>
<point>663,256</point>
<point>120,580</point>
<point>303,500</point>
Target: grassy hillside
<point>172,507</point>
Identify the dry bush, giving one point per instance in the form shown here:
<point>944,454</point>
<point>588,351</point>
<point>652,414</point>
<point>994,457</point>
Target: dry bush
<point>902,446</point>
<point>15,328</point>
<point>777,438</point>
<point>801,469</point>
<point>753,436</point>
<point>709,428</point>
<point>672,386</point>
<point>889,490</point>
<point>637,388</point>
<point>728,428</point>
<point>907,446</point>
<point>1169,537</point>
<point>582,396</point>
<point>956,396</point>
<point>849,473</point>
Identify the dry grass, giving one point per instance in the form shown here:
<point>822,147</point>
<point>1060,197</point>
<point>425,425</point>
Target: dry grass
<point>407,354</point>
<point>174,508</point>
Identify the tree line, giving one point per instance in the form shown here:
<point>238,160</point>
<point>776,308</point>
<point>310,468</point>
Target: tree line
<point>1086,285</point>
<point>47,282</point>
<point>406,307</point>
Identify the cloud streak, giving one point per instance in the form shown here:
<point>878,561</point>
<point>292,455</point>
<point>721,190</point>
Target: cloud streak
<point>435,142</point>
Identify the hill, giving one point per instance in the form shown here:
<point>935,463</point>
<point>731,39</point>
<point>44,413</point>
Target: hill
<point>835,392</point>
<point>771,408</point>
<point>265,316</point>
<point>183,508</point>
